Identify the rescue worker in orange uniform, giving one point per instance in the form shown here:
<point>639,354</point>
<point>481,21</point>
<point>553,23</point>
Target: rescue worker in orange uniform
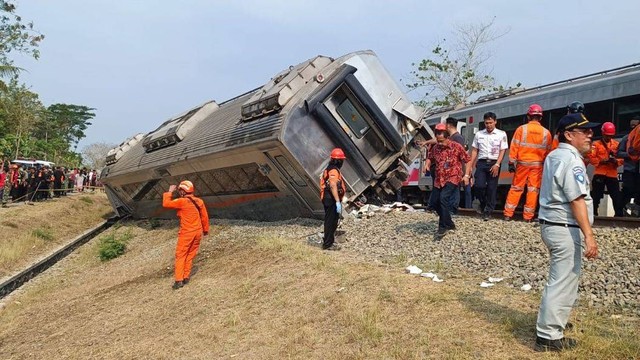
<point>573,108</point>
<point>603,158</point>
<point>529,147</point>
<point>194,223</point>
<point>332,190</point>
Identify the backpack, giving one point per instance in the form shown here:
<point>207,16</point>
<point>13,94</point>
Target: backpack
<point>633,144</point>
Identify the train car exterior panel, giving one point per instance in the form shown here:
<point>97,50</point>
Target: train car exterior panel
<point>261,154</point>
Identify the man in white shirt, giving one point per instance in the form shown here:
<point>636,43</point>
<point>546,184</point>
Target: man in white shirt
<point>487,150</point>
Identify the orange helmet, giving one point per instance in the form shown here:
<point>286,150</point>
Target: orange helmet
<point>535,109</point>
<point>608,128</point>
<point>441,127</point>
<point>337,153</point>
<point>186,186</point>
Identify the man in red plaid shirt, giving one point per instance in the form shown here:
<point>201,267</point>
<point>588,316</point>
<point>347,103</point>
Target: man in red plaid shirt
<point>448,157</point>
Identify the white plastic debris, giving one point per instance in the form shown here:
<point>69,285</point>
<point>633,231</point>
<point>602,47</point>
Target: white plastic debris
<point>486,284</point>
<point>436,279</point>
<point>429,275</point>
<point>525,287</point>
<point>412,269</point>
<point>495,280</point>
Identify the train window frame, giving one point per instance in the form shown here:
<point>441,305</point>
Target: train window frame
<point>623,118</point>
<point>361,131</point>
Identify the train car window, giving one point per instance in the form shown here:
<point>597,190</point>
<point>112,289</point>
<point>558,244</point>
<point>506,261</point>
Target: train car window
<point>290,171</point>
<point>509,125</point>
<point>553,117</point>
<point>626,108</point>
<point>352,118</point>
<point>600,112</point>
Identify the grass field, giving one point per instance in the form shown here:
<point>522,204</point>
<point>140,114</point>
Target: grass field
<point>31,231</point>
<point>260,292</point>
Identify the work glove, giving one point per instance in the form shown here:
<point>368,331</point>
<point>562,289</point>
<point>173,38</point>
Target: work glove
<point>512,167</point>
<point>338,207</point>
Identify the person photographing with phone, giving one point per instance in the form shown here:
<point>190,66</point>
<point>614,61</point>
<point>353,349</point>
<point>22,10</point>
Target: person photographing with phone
<point>194,223</point>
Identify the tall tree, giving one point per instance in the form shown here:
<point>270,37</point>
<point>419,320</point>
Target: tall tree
<point>15,36</point>
<point>69,121</point>
<point>456,72</point>
<point>95,155</point>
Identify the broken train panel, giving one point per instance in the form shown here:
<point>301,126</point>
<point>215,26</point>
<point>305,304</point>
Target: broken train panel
<point>260,155</point>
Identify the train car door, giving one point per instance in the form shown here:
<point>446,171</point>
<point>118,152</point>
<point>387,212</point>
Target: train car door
<point>355,121</point>
<point>298,184</point>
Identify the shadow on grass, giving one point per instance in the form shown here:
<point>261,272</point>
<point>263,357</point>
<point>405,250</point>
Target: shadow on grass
<point>520,324</point>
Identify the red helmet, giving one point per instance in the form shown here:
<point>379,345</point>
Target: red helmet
<point>608,128</point>
<point>534,109</point>
<point>186,186</point>
<point>337,153</point>
<point>441,127</point>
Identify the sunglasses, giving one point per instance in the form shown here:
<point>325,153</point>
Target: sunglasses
<point>583,131</point>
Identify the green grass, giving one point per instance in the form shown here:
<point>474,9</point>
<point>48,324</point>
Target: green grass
<point>44,234</point>
<point>113,245</point>
<point>86,199</point>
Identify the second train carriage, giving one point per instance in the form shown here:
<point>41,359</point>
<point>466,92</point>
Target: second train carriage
<point>260,155</point>
<point>612,95</point>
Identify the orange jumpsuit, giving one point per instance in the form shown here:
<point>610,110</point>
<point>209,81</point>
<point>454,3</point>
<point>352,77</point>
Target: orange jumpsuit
<point>530,145</point>
<point>193,224</point>
<point>605,174</point>
<point>555,143</point>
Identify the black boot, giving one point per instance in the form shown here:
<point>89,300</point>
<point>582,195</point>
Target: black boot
<point>543,344</point>
<point>177,285</point>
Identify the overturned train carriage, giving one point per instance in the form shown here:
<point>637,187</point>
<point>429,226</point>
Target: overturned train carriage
<point>260,155</point>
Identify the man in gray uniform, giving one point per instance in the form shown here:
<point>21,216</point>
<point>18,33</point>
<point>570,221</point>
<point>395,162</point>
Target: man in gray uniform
<point>566,215</point>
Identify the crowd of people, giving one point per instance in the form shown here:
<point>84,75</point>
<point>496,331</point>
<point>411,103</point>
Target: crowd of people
<point>551,168</point>
<point>39,183</point>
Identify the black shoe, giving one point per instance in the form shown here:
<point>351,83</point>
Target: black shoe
<point>554,345</point>
<point>440,234</point>
<point>486,216</point>
<point>177,285</point>
<point>185,281</point>
<point>334,247</point>
<point>507,218</point>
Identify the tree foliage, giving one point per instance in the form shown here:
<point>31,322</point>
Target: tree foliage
<point>31,130</point>
<point>28,128</point>
<point>15,36</point>
<point>95,154</point>
<point>456,72</point>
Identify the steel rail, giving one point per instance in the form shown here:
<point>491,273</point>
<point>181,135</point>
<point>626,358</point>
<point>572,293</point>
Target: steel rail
<point>17,280</point>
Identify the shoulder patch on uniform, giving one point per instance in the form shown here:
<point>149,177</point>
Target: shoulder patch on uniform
<point>578,173</point>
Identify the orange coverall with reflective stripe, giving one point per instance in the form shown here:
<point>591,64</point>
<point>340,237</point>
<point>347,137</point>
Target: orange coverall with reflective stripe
<point>192,225</point>
<point>600,151</point>
<point>530,145</point>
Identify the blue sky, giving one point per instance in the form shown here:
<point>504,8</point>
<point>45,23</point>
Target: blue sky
<point>141,62</point>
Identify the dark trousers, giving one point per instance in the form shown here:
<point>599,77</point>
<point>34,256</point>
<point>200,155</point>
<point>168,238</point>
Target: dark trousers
<point>485,186</point>
<point>443,203</point>
<point>630,187</point>
<point>597,192</point>
<point>331,218</point>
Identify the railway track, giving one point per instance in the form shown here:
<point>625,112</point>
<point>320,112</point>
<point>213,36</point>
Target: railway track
<point>598,221</point>
<point>17,280</point>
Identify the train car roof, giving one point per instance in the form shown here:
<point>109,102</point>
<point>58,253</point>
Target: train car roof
<point>609,84</point>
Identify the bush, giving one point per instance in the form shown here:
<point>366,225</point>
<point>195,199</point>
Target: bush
<point>112,246</point>
<point>44,234</point>
<point>86,199</point>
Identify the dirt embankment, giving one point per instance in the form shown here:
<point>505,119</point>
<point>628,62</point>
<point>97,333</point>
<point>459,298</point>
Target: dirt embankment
<point>30,232</point>
<point>261,292</point>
